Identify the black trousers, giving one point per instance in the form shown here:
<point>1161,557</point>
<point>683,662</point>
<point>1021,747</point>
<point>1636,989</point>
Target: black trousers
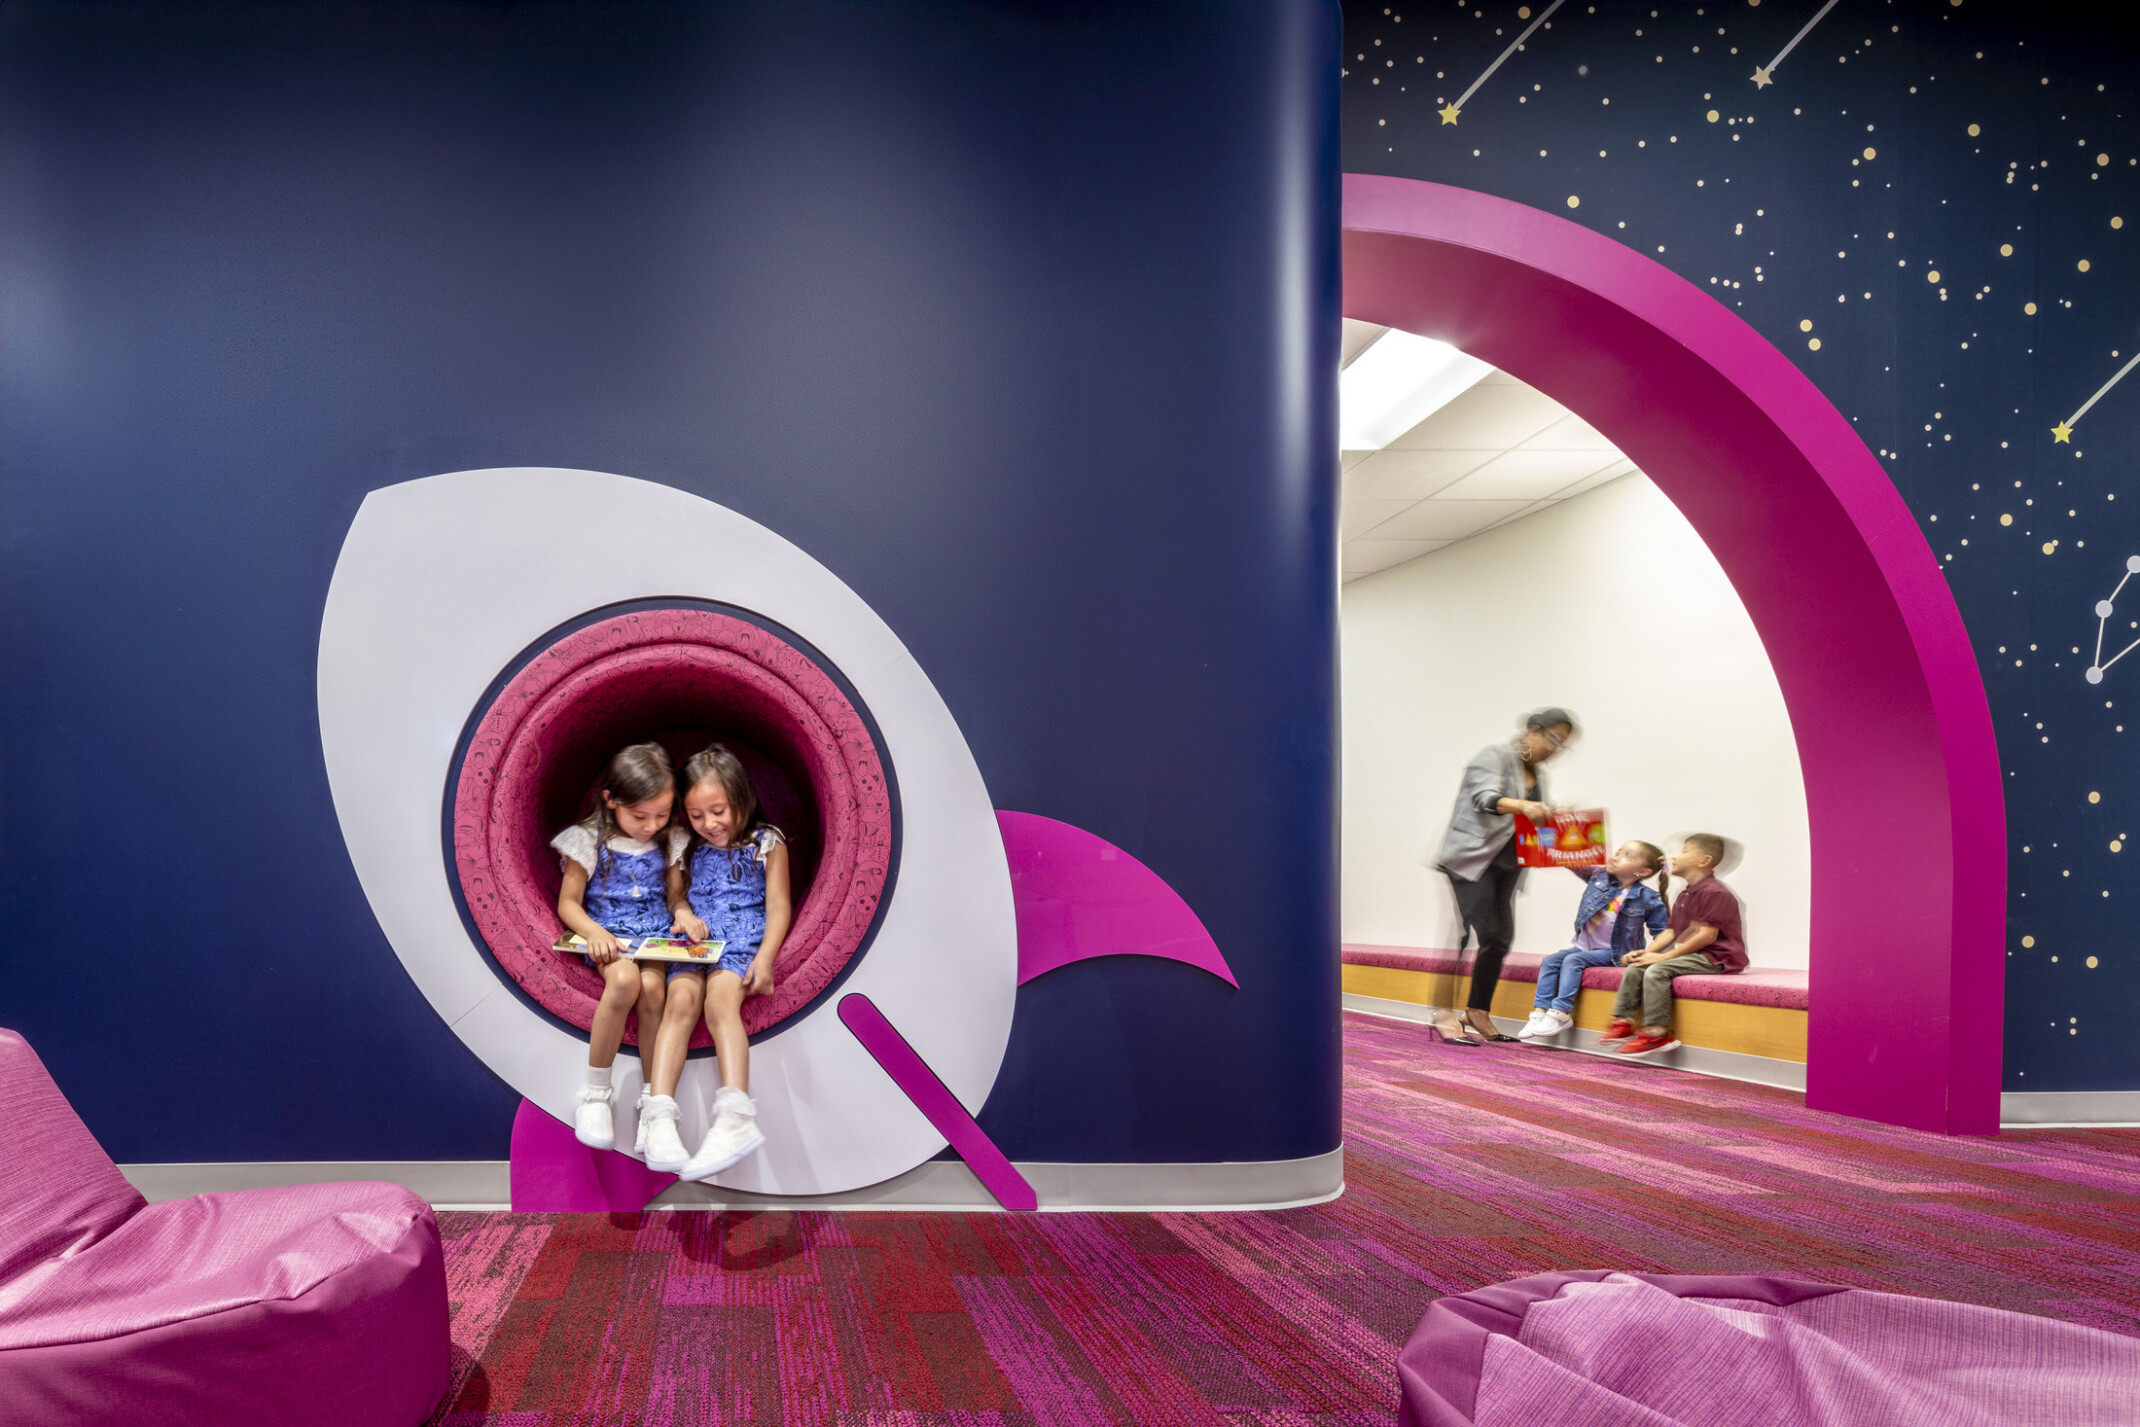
<point>1488,906</point>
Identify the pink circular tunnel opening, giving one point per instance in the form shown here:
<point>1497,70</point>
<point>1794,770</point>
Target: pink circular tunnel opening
<point>683,678</point>
<point>1894,733</point>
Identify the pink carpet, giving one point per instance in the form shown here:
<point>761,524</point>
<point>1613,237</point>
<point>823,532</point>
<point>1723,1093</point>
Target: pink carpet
<point>1464,1167</point>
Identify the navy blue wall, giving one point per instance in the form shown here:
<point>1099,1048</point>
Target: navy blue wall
<point>1854,211</point>
<point>1019,317</point>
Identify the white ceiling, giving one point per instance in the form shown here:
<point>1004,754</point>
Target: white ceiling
<point>1497,453</point>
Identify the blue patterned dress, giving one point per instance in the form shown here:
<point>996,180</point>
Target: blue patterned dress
<point>728,893</point>
<point>625,893</point>
<point>625,890</point>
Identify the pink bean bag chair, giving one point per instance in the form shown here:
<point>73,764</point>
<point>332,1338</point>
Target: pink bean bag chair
<point>323,1304</point>
<point>1597,1349</point>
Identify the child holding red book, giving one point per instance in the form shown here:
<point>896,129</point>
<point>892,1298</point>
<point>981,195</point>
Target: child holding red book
<point>1610,923</point>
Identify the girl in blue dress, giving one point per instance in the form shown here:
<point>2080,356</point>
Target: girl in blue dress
<point>732,887</point>
<point>616,865</point>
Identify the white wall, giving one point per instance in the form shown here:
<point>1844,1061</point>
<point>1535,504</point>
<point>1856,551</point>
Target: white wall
<point>1586,604</point>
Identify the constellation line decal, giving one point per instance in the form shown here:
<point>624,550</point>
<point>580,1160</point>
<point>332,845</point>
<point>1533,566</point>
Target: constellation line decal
<point>1449,112</point>
<point>1764,75</point>
<point>2104,609</point>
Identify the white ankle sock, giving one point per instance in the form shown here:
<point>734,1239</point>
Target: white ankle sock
<point>598,1076</point>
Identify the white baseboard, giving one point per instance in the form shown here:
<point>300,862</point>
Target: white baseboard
<point>938,1185</point>
<point>1066,1188</point>
<point>1723,1064</point>
<point>2068,1109</point>
<point>443,1183</point>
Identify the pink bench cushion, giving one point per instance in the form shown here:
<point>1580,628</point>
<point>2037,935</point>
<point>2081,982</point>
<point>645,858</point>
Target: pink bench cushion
<point>1755,986</point>
<point>59,1192</point>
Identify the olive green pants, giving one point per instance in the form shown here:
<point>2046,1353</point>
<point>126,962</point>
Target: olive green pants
<point>1650,987</point>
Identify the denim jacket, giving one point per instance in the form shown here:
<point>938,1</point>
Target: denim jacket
<point>1643,908</point>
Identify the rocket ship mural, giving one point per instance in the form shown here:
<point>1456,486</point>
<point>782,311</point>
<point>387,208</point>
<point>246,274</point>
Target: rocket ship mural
<point>459,652</point>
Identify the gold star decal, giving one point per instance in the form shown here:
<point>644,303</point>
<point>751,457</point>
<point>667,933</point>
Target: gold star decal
<point>1761,77</point>
<point>1449,113</point>
<point>2062,432</point>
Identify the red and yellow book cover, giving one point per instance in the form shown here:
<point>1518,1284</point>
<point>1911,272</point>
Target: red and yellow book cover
<point>1575,838</point>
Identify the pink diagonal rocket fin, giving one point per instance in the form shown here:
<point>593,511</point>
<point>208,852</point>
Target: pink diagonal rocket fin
<point>934,1099</point>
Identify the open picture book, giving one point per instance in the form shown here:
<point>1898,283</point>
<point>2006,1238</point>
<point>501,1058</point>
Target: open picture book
<point>648,948</point>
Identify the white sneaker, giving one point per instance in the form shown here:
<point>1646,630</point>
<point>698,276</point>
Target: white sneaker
<point>665,1150</point>
<point>732,1135</point>
<point>1534,1026</point>
<point>592,1124</point>
<point>639,1139</point>
<point>1556,1023</point>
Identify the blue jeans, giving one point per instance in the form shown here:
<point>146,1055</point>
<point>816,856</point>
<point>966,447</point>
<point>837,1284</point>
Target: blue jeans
<point>1560,976</point>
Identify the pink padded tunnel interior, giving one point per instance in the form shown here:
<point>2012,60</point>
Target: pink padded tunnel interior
<point>682,678</point>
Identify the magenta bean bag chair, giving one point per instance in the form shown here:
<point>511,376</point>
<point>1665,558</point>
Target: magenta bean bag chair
<point>323,1304</point>
<point>682,677</point>
<point>1600,1349</point>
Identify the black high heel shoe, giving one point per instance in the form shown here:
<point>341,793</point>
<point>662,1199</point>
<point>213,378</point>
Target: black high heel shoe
<point>1486,1036</point>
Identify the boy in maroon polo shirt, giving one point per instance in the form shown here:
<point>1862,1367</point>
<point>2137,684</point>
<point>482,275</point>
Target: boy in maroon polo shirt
<point>1703,938</point>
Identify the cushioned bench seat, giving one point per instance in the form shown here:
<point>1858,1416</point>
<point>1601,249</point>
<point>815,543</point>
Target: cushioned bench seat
<point>1759,1012</point>
<point>1755,986</point>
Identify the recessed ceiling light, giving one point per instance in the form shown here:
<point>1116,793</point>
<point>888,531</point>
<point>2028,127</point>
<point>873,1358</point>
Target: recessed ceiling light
<point>1395,384</point>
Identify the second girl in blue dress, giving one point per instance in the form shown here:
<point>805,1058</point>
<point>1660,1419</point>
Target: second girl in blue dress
<point>731,886</point>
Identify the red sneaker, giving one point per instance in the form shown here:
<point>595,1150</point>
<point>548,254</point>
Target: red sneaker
<point>1647,1044</point>
<point>1617,1031</point>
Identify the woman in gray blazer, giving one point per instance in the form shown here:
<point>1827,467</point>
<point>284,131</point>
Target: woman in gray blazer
<point>1479,854</point>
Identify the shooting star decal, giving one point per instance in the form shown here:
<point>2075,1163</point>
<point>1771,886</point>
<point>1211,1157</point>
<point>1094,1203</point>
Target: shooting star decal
<point>1764,75</point>
<point>1450,111</point>
<point>2063,431</point>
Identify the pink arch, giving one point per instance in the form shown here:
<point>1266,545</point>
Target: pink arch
<point>1903,792</point>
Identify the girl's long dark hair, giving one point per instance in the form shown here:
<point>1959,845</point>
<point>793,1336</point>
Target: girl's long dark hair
<point>637,773</point>
<point>715,764</point>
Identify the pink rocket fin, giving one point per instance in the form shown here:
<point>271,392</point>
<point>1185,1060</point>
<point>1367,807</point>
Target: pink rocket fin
<point>1079,896</point>
<point>553,1173</point>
